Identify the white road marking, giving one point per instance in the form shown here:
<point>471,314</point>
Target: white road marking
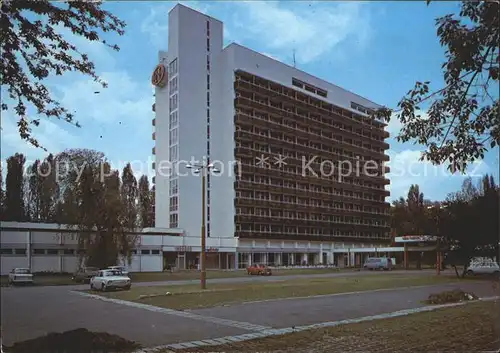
<point>277,332</point>
<point>349,293</point>
<point>215,320</point>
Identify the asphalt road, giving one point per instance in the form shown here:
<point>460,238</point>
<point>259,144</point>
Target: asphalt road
<point>257,279</point>
<point>31,312</point>
<point>296,312</point>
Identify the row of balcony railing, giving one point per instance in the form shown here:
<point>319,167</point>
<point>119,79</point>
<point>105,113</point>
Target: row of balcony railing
<point>311,189</point>
<point>343,142</point>
<point>306,129</point>
<point>305,219</point>
<point>333,177</point>
<point>295,96</point>
<point>312,202</point>
<point>315,160</point>
<point>308,100</point>
<point>326,233</point>
<point>320,205</point>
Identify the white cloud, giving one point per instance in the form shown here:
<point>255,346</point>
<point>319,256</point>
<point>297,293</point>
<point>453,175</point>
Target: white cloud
<point>394,126</point>
<point>311,30</point>
<point>50,134</point>
<point>407,169</point>
<point>123,99</point>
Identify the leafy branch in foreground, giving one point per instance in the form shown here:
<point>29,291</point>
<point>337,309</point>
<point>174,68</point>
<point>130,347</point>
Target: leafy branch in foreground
<point>32,50</point>
<point>463,118</point>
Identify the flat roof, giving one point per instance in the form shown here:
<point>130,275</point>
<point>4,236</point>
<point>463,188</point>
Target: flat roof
<point>67,228</point>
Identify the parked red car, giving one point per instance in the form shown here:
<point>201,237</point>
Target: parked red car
<point>260,270</point>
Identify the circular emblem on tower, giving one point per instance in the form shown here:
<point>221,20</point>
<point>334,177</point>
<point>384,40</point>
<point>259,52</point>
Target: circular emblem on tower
<point>158,78</point>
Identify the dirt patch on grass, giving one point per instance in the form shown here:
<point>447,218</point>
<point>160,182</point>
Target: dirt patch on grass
<point>467,328</point>
<point>74,341</point>
<point>452,296</point>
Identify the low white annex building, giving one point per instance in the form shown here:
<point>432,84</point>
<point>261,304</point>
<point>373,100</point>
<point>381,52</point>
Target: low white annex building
<point>54,248</point>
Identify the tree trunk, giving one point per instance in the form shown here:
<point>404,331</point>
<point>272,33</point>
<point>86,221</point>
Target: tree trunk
<point>465,269</point>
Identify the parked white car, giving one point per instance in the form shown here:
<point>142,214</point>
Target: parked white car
<point>110,279</point>
<point>484,268</point>
<point>21,276</point>
<point>122,269</point>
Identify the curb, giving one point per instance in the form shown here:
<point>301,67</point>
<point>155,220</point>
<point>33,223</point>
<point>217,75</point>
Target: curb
<point>277,332</point>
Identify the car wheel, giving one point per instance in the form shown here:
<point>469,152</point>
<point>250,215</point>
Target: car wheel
<point>470,273</point>
<point>127,287</point>
<point>103,287</point>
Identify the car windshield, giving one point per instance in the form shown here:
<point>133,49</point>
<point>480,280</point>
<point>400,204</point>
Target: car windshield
<point>21,271</point>
<point>112,273</point>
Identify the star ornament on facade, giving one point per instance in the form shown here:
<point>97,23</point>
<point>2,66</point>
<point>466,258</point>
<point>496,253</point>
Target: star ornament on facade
<point>279,160</point>
<point>262,161</point>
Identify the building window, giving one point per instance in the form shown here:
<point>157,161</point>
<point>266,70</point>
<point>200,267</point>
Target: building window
<point>4,251</point>
<point>173,85</point>
<point>145,252</point>
<point>173,119</point>
<point>172,68</point>
<point>297,83</point>
<point>69,252</point>
<point>174,153</point>
<point>322,93</point>
<point>173,136</point>
<point>208,25</point>
<point>155,252</point>
<point>174,205</point>
<point>174,186</point>
<point>174,218</point>
<point>173,102</point>
<point>20,251</point>
<point>208,44</point>
<point>208,113</point>
<point>38,252</point>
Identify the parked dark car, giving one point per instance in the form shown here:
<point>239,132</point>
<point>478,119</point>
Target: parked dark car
<point>84,274</point>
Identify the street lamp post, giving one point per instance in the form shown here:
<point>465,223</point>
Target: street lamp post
<point>201,168</point>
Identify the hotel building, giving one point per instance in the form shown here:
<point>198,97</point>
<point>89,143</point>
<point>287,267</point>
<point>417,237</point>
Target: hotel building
<point>271,129</point>
<point>275,133</point>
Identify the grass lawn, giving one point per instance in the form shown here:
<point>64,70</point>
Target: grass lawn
<point>470,328</point>
<point>191,296</point>
<point>57,279</point>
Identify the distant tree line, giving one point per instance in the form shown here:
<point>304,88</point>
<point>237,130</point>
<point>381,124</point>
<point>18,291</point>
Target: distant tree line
<point>79,188</point>
<point>466,223</point>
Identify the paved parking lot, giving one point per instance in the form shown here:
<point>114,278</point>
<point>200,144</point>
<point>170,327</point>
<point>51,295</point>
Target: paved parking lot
<point>32,312</point>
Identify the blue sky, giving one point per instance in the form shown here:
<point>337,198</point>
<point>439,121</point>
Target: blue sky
<point>375,49</point>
